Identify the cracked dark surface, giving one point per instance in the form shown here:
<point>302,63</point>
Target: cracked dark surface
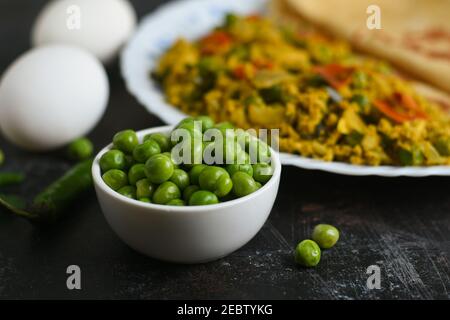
<point>400,224</point>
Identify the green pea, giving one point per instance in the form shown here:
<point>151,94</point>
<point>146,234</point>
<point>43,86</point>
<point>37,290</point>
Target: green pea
<point>233,168</point>
<point>228,147</point>
<point>176,202</point>
<point>195,148</point>
<point>195,172</point>
<point>307,253</point>
<point>232,149</point>
<point>258,185</point>
<point>112,159</point>
<point>2,157</point>
<point>136,173</point>
<point>166,192</point>
<point>215,179</point>
<point>128,191</point>
<point>243,158</point>
<point>223,126</point>
<point>209,151</point>
<point>262,172</point>
<point>125,141</point>
<point>146,200</point>
<point>129,161</point>
<point>160,138</point>
<point>259,151</point>
<point>159,168</point>
<point>180,178</point>
<point>187,193</point>
<point>169,155</point>
<point>203,198</point>
<point>144,189</point>
<point>207,122</point>
<point>243,184</point>
<point>115,179</point>
<point>194,128</point>
<point>184,121</point>
<point>145,150</point>
<point>80,149</point>
<point>325,235</point>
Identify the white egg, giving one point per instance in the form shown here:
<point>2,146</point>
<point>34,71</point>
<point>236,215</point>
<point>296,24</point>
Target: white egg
<point>52,95</point>
<point>100,26</point>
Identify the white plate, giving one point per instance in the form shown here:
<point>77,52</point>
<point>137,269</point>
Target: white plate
<point>192,19</point>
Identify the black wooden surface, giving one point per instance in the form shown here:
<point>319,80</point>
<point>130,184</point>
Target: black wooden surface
<point>400,224</point>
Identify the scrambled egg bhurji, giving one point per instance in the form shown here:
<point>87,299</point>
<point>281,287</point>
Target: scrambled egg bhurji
<point>328,102</point>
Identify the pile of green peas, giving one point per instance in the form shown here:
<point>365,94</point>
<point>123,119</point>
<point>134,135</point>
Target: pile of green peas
<point>146,171</point>
<point>308,252</point>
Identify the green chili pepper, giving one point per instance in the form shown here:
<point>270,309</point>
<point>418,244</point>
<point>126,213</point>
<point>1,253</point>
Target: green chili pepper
<point>13,200</point>
<point>50,204</point>
<point>2,157</point>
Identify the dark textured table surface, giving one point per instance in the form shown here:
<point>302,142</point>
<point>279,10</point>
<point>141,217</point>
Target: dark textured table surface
<point>401,225</point>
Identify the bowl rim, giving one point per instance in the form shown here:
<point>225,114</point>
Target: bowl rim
<point>98,181</point>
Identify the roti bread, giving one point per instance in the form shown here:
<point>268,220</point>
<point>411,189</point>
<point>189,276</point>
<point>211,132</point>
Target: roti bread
<point>414,34</point>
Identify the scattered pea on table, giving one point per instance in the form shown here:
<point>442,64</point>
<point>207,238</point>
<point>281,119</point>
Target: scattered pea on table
<point>307,253</point>
<point>325,235</point>
<point>80,149</point>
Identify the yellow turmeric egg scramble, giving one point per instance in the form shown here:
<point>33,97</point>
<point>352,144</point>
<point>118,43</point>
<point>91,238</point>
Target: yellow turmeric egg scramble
<point>328,102</point>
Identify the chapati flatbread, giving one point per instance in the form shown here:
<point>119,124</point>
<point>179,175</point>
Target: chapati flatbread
<point>414,34</point>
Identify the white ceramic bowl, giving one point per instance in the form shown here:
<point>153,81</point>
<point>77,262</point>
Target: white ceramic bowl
<point>186,234</point>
